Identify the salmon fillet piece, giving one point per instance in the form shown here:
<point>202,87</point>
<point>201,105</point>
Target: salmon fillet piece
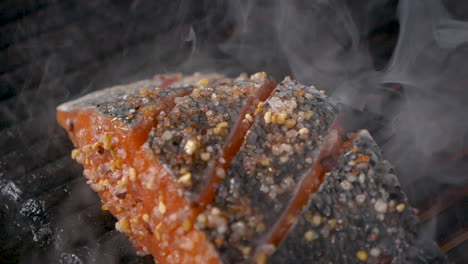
<point>280,148</point>
<point>110,129</point>
<point>208,169</point>
<point>360,214</point>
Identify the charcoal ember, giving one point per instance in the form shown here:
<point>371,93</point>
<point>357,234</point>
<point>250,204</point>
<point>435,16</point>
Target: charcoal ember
<point>14,230</point>
<point>69,258</point>
<point>359,214</point>
<point>9,190</point>
<point>43,234</point>
<point>32,221</point>
<point>34,211</point>
<point>280,148</point>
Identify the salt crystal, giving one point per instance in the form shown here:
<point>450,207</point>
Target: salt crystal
<point>179,100</point>
<point>275,103</point>
<point>291,133</point>
<point>375,252</point>
<point>360,198</point>
<point>362,178</point>
<point>346,185</point>
<point>167,135</point>
<point>286,148</point>
<point>380,206</point>
<point>350,177</point>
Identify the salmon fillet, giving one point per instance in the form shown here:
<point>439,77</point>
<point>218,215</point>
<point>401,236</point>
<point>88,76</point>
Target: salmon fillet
<point>208,169</point>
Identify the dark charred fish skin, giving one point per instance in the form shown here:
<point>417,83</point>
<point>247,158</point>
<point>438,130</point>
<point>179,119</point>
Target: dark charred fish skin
<point>359,215</point>
<point>126,102</point>
<point>191,138</point>
<point>279,149</point>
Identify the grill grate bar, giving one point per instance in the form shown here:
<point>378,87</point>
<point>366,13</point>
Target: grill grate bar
<point>91,76</point>
<point>22,8</point>
<point>28,131</point>
<point>52,19</point>
<point>27,158</point>
<point>105,35</point>
<point>52,175</point>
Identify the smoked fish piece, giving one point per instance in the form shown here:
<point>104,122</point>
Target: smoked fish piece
<point>359,215</point>
<point>209,169</point>
<point>110,129</point>
<point>279,151</point>
<point>200,136</point>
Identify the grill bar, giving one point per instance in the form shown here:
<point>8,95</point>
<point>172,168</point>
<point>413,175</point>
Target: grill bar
<point>105,36</point>
<point>21,9</point>
<point>455,240</point>
<point>442,202</point>
<point>27,27</point>
<point>34,156</point>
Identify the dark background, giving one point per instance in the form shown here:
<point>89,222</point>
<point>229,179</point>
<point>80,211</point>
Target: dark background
<point>55,50</point>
